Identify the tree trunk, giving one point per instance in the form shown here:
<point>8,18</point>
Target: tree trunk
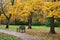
<point>30,21</point>
<point>52,28</point>
<point>8,20</point>
<point>7,25</point>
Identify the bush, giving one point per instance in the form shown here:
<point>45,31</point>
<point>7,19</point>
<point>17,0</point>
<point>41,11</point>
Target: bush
<point>48,21</point>
<point>35,23</point>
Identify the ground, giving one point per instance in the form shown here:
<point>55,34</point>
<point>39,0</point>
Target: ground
<point>39,31</point>
<point>23,36</point>
<point>44,33</point>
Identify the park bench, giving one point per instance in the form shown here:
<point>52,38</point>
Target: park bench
<point>21,29</point>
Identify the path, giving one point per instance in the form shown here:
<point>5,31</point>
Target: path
<point>23,36</point>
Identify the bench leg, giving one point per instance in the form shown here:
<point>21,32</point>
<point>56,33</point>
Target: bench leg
<point>17,30</point>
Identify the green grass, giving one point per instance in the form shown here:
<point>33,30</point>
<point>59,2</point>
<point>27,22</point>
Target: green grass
<point>11,27</point>
<point>14,27</point>
<point>8,37</point>
<point>40,27</point>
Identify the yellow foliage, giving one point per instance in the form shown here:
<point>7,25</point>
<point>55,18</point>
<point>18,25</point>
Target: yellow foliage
<point>2,17</point>
<point>22,8</point>
<point>53,9</point>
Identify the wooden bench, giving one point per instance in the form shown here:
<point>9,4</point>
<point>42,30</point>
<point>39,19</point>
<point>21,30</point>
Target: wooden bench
<point>21,29</point>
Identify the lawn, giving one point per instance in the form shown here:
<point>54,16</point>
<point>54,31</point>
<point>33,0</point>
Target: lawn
<point>14,27</point>
<point>40,31</point>
<point>8,37</point>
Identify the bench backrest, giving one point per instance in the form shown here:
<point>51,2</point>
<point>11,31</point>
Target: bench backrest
<point>22,27</point>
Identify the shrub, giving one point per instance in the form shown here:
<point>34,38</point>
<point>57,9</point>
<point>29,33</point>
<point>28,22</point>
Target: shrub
<point>48,21</point>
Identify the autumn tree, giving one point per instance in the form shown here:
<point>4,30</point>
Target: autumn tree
<point>4,3</point>
<point>52,9</point>
<point>24,10</point>
<point>34,6</point>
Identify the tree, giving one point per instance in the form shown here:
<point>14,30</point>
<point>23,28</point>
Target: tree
<point>25,9</point>
<point>3,6</point>
<point>52,9</point>
<point>34,6</point>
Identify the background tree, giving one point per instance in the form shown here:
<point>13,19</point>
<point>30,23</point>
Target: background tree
<point>52,9</point>
<point>3,9</point>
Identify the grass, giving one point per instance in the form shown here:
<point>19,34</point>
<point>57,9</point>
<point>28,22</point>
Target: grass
<point>40,31</point>
<point>11,27</point>
<point>14,27</point>
<point>8,37</point>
